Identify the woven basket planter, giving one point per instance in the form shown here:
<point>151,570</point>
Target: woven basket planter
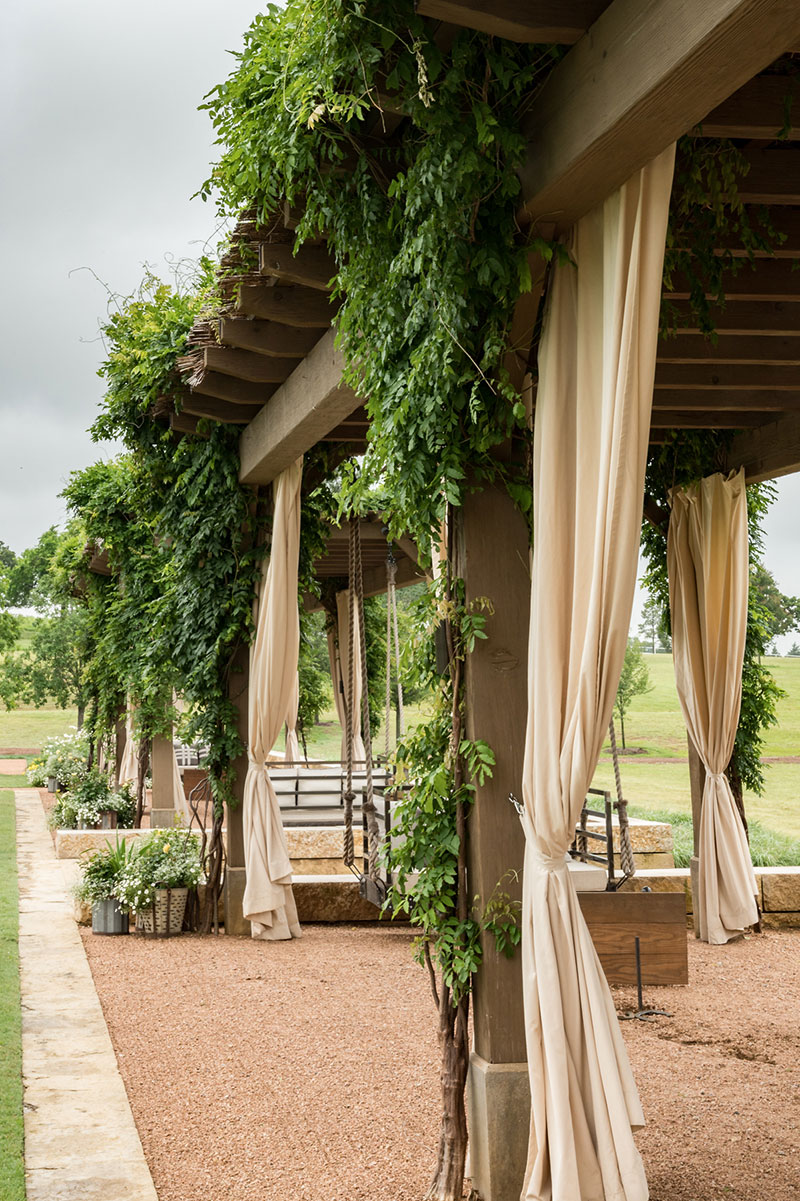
<point>164,917</point>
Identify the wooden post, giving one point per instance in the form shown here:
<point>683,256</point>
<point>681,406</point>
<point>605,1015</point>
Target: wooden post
<point>697,779</point>
<point>493,556</point>
<point>120,737</point>
<point>235,876</point>
<point>162,810</point>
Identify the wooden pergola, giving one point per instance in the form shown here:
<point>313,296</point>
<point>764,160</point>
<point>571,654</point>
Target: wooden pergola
<point>638,75</point>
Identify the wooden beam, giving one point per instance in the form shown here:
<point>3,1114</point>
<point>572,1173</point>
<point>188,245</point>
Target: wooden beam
<point>648,71</point>
<point>267,337</point>
<point>755,111</point>
<point>408,574</point>
<point>311,266</point>
<point>182,423</point>
<point>235,391</point>
<point>784,218</point>
<point>730,348</point>
<point>768,452</point>
<point>292,305</point>
<point>311,403</point>
<point>218,410</point>
<point>245,365</point>
<point>734,378</point>
<point>777,318</point>
<point>561,21</point>
<point>766,279</point>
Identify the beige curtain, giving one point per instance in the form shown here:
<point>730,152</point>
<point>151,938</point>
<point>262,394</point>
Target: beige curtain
<point>338,653</point>
<point>179,801</point>
<point>707,559</point>
<point>292,752</point>
<point>596,371</point>
<point>129,767</point>
<point>268,899</point>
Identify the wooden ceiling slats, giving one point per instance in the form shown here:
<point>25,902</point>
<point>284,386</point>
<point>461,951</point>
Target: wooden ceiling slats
<point>311,266</point>
<point>292,305</point>
<point>754,111</point>
<point>235,391</point>
<point>685,419</point>
<point>245,365</point>
<point>777,318</point>
<point>218,410</point>
<point>721,400</point>
<point>560,21</point>
<point>733,376</point>
<point>773,178</point>
<point>730,348</point>
<point>267,337</point>
<point>765,279</point>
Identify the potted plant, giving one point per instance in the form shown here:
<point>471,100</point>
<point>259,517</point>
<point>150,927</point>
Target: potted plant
<point>102,874</point>
<point>156,882</point>
<point>92,804</point>
<point>65,760</point>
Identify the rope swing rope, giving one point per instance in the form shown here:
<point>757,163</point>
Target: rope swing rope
<point>626,860</point>
<point>356,616</point>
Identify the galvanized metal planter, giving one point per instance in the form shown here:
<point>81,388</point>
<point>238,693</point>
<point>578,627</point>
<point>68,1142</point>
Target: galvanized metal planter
<point>108,918</point>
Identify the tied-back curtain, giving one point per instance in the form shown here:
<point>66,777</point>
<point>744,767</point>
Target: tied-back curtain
<point>292,752</point>
<point>268,898</point>
<point>179,801</point>
<point>596,372</point>
<point>707,561</point>
<point>129,767</point>
<point>339,654</point>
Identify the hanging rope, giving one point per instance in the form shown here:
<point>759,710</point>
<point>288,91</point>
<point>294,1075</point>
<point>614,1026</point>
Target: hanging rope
<point>392,629</point>
<point>368,805</point>
<point>626,860</point>
<point>348,854</point>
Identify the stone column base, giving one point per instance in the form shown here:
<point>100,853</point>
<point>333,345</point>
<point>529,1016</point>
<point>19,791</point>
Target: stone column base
<point>498,1118</point>
<point>161,819</point>
<point>235,880</point>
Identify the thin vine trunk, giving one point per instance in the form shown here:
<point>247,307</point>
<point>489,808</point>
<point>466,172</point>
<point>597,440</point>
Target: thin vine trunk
<point>143,762</point>
<point>448,1178</point>
<point>737,789</point>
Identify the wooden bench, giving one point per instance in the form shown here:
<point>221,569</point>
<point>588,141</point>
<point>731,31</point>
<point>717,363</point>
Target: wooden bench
<point>615,919</point>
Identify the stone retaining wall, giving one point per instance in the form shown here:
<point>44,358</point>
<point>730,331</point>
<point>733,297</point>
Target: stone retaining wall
<point>778,891</point>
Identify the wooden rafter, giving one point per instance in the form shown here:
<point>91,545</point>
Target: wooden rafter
<point>311,266</point>
<point>770,451</point>
<point>292,305</point>
<point>771,318</point>
<point>560,21</point>
<point>730,348</point>
<point>732,377</point>
<point>267,337</point>
<point>755,111</point>
<point>716,398</point>
<point>218,410</point>
<point>645,76</point>
<point>245,365</point>
<point>235,391</point>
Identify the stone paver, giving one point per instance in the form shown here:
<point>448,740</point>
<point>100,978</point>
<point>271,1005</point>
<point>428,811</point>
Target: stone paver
<point>81,1141</point>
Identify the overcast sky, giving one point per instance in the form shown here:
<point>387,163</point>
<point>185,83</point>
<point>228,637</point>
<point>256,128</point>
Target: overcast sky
<point>101,147</point>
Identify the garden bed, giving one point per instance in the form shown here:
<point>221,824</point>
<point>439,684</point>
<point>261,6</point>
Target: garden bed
<point>310,1069</point>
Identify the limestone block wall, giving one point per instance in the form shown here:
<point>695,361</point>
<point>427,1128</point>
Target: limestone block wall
<point>778,891</point>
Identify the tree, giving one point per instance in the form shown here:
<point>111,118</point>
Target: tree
<point>634,681</point>
<point>795,649</point>
<point>54,667</point>
<point>781,613</point>
<point>654,627</point>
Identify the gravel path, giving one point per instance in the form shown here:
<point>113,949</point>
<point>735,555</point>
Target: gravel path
<point>252,1076</point>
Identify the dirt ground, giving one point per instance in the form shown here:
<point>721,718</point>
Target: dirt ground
<point>308,1071</point>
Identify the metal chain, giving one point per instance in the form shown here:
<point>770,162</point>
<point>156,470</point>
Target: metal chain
<point>626,860</point>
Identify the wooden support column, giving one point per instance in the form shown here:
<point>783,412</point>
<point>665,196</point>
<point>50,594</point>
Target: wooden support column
<point>162,810</point>
<point>697,779</point>
<point>120,737</point>
<point>235,876</point>
<point>493,553</point>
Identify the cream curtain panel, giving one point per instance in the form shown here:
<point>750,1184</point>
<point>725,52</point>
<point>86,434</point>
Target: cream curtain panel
<point>340,666</point>
<point>292,752</point>
<point>129,766</point>
<point>707,562</point>
<point>596,371</point>
<point>179,801</point>
<point>268,899</point>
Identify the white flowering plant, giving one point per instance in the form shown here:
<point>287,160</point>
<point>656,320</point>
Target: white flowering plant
<point>36,772</point>
<point>165,859</point>
<point>65,757</point>
<point>88,799</point>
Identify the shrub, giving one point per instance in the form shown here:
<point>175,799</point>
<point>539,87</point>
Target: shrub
<point>102,873</point>
<point>166,859</point>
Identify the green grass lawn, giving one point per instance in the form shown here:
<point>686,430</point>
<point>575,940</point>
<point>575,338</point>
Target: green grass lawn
<point>28,727</point>
<point>325,740</point>
<point>12,1170</point>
